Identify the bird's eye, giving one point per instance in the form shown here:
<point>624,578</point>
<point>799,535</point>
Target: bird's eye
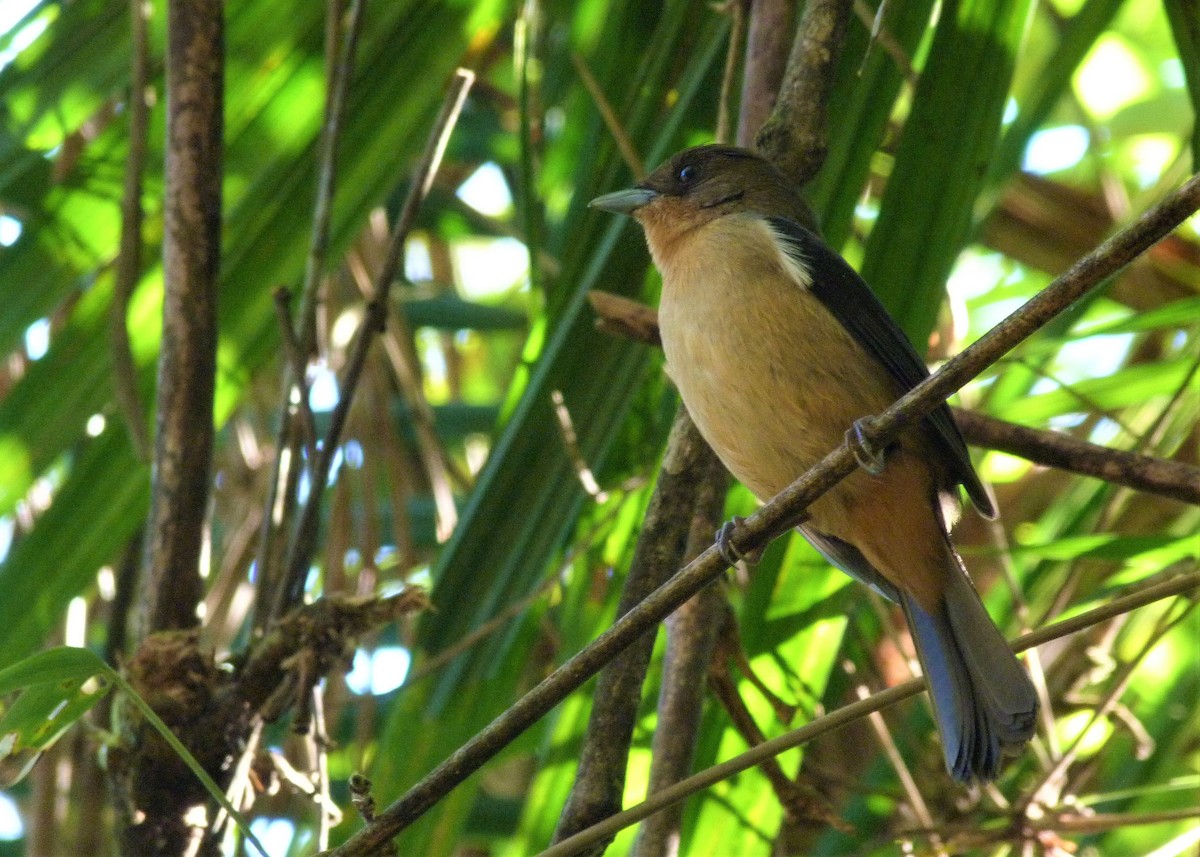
<point>686,174</point>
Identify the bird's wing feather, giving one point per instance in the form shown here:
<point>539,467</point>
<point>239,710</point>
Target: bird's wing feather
<point>845,294</point>
<point>841,554</point>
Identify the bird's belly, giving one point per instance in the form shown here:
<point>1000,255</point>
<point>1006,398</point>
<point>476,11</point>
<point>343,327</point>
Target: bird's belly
<point>773,382</point>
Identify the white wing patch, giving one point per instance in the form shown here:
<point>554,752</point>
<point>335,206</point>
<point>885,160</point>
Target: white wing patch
<point>795,268</point>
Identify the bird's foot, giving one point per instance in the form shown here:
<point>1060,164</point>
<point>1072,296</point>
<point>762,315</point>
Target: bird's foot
<point>864,453</point>
<point>728,550</point>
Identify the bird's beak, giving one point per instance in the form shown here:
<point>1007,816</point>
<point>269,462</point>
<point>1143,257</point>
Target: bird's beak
<point>624,201</point>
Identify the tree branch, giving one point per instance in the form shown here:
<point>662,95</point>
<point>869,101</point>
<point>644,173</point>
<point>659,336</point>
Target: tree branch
<point>796,136</point>
<point>691,640</point>
<point>1172,479</point>
<point>600,780</point>
<point>129,255</point>
<point>341,72</point>
<point>307,530</point>
<point>187,362</point>
<point>285,476</point>
<point>771,24</point>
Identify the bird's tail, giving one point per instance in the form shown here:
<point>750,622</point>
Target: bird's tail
<point>982,697</point>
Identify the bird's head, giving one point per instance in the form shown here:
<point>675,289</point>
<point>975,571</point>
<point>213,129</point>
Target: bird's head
<point>702,184</point>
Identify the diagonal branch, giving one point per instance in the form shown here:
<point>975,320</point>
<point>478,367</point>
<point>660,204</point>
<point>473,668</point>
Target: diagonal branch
<point>295,427</point>
<point>864,707</point>
<point>305,540</point>
<point>777,516</point>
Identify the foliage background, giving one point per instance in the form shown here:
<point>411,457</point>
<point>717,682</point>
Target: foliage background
<point>987,143</point>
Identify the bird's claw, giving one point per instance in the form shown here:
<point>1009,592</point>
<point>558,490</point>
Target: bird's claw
<point>728,550</point>
<point>866,456</point>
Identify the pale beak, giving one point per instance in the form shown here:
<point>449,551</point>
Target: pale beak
<point>624,201</point>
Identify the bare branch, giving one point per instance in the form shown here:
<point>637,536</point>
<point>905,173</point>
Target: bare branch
<point>295,359</point>
<point>1172,479</point>
<point>285,476</point>
<point>691,637</point>
<point>335,108</point>
<point>188,360</point>
<point>622,316</point>
<point>691,641</point>
<point>305,539</point>
<point>129,255</point>
<point>600,780</point>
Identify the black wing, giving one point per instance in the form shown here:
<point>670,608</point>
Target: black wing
<point>850,299</point>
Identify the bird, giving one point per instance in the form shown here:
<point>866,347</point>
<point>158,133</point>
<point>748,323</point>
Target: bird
<point>778,349</point>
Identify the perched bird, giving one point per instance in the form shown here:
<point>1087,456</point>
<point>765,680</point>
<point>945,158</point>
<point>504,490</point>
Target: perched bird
<point>778,349</point>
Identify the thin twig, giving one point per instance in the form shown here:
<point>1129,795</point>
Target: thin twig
<point>1105,821</point>
<point>736,10</point>
<point>129,255</point>
<point>587,542</point>
<point>776,517</point>
<point>305,539</point>
<point>285,478</point>
<point>295,359</point>
<point>478,633</point>
<point>890,44</point>
<point>570,439</point>
<point>1152,435</point>
<point>328,813</point>
<point>796,801</point>
<point>842,716</point>
<point>967,837</point>
<point>438,465</point>
<point>1052,781</point>
<point>240,786</point>
<point>397,344</point>
<point>915,799</point>
<point>342,72</point>
<point>1069,389</point>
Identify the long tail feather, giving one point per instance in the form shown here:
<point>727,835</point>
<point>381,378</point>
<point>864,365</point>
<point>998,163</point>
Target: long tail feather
<point>982,697</point>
